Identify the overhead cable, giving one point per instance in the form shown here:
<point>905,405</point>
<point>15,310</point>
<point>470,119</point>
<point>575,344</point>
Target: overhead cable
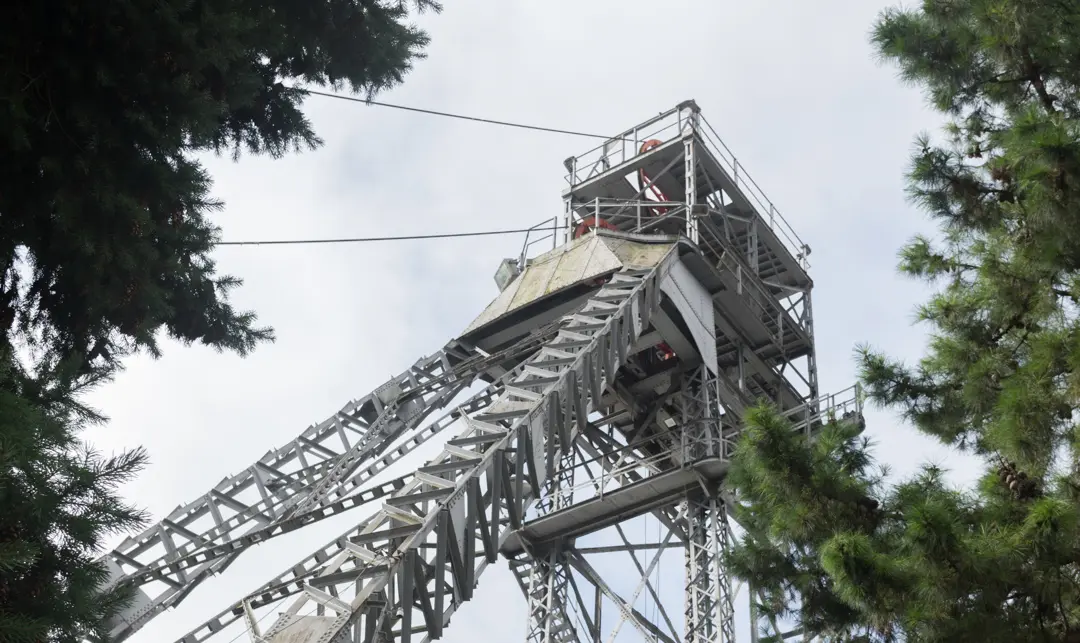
<point>465,117</point>
<point>411,237</point>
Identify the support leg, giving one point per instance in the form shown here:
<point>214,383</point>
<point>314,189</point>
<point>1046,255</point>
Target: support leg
<point>549,583</point>
<point>549,619</point>
<point>710,612</point>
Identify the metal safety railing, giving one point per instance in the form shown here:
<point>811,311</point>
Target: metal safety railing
<point>644,216</point>
<point>843,406</point>
<point>765,208</point>
<point>839,406</point>
<point>548,229</point>
<point>753,292</point>
<point>624,146</point>
<point>629,215</point>
<point>668,126</point>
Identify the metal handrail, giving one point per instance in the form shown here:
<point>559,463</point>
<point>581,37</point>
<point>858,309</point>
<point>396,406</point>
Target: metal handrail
<point>752,190</point>
<point>608,154</point>
<point>633,135</point>
<point>749,285</point>
<point>613,152</point>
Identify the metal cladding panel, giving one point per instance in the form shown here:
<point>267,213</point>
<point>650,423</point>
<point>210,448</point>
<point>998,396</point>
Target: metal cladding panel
<point>536,429</point>
<point>582,259</point>
<point>303,629</point>
<point>637,255</point>
<point>696,307</point>
<point>457,520</point>
<point>139,603</point>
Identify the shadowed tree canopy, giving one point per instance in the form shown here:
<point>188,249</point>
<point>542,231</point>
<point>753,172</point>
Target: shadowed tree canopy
<point>834,544</point>
<point>104,228</point>
<point>58,500</point>
<point>106,237</point>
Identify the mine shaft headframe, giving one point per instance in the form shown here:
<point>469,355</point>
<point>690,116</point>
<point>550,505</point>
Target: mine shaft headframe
<point>683,267</point>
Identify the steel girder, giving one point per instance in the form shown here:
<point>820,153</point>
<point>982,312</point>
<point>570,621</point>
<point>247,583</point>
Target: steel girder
<point>547,586</point>
<point>415,561</point>
<point>710,609</point>
<point>315,476</point>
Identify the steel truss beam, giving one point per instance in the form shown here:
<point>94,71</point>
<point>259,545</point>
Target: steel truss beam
<point>699,519</point>
<point>710,609</point>
<point>700,523</point>
<point>412,564</point>
<point>317,475</point>
<point>548,577</point>
<point>548,595</point>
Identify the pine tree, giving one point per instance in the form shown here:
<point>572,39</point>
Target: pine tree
<point>59,500</point>
<point>829,542</point>
<point>103,105</point>
<point>106,237</point>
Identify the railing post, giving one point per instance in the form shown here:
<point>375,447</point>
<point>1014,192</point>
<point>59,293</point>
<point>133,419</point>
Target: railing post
<point>567,219</point>
<point>689,135</point>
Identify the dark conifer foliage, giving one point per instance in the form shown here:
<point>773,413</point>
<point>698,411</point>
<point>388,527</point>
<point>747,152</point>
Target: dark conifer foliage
<point>104,228</point>
<point>58,502</point>
<point>831,544</point>
<point>106,234</point>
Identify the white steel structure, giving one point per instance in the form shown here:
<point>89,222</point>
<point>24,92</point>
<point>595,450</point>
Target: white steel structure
<point>612,373</point>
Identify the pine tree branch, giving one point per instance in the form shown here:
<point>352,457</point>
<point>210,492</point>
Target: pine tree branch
<point>1034,76</point>
<point>1064,293</point>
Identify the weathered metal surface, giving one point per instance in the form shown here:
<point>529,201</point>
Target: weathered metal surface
<point>696,307</point>
<point>304,629</point>
<point>584,259</point>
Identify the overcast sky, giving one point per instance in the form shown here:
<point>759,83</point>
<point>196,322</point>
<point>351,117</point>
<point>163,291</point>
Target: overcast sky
<point>791,86</point>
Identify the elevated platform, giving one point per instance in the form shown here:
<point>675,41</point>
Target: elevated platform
<point>614,507</point>
<point>613,172</point>
<point>665,488</point>
<point>748,323</point>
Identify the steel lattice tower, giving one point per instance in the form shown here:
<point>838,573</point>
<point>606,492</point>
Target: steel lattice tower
<point>605,382</point>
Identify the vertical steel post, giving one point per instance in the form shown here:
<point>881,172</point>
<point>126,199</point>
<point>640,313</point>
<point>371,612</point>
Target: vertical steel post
<point>689,121</point>
<point>752,246</point>
<point>548,617</point>
<point>811,358</point>
<point>709,606</point>
<point>566,220</point>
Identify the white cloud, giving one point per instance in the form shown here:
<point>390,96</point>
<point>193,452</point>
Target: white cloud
<point>791,87</point>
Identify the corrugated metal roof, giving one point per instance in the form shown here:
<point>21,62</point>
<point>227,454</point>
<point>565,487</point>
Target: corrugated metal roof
<point>584,258</point>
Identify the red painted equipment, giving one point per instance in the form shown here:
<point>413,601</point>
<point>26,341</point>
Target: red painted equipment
<point>588,223</point>
<point>594,222</point>
<point>644,178</point>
